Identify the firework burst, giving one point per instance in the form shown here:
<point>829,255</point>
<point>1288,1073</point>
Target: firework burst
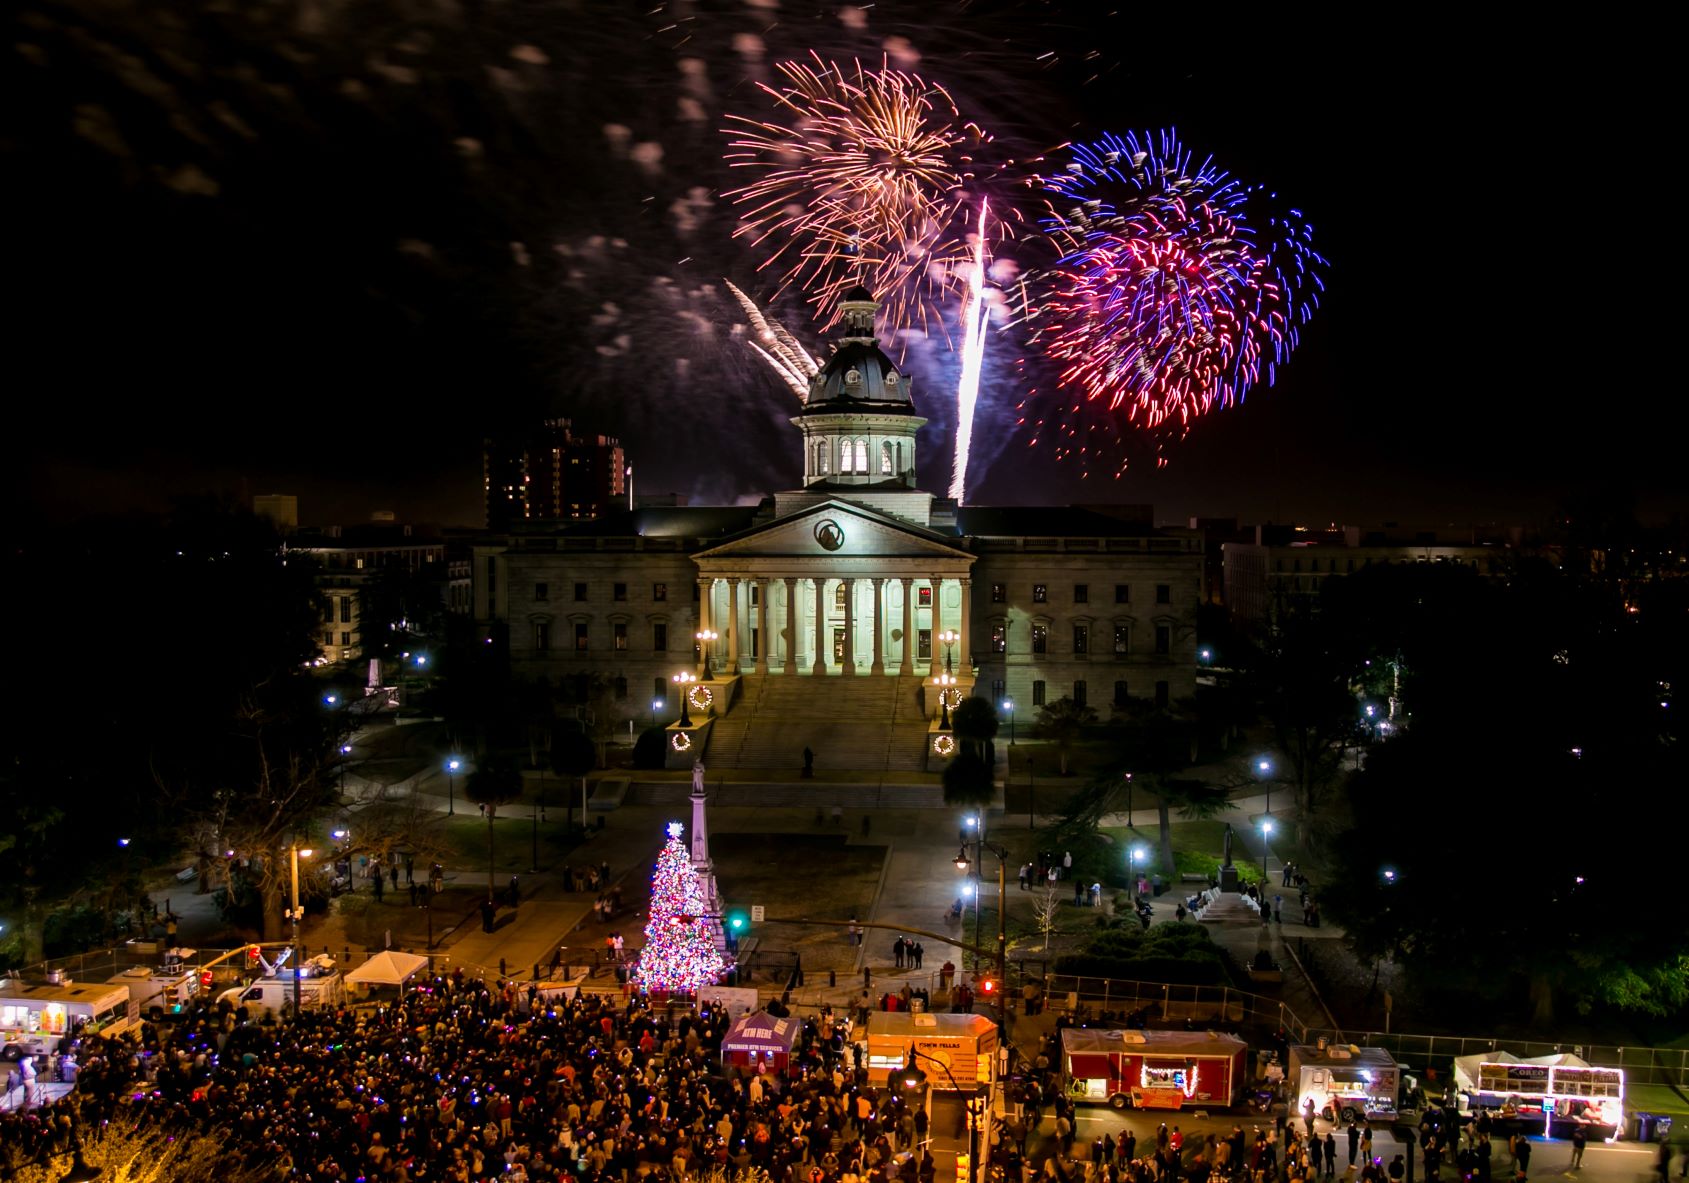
<point>862,180</point>
<point>1177,288</point>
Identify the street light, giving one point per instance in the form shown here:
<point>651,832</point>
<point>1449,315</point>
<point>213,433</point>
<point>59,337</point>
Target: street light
<point>947,638</point>
<point>682,681</point>
<point>1136,856</point>
<point>1009,705</point>
<point>704,637</point>
<point>452,765</point>
<point>1266,833</point>
<point>944,682</point>
<point>1129,801</point>
<point>657,711</point>
<point>294,914</point>
<point>980,846</point>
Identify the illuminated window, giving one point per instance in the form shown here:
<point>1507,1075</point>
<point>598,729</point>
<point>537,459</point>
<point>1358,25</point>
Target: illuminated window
<point>885,459</point>
<point>923,596</point>
<point>1040,593</point>
<point>659,592</point>
<point>861,455</point>
<point>580,636</point>
<point>821,458</point>
<point>999,638</point>
<point>839,597</point>
<point>620,632</point>
<point>1122,639</point>
<point>1040,639</point>
<point>923,644</point>
<point>1081,638</point>
<point>999,593</point>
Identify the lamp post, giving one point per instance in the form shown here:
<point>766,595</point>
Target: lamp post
<point>1009,705</point>
<point>1266,833</point>
<point>452,765</point>
<point>657,712</point>
<point>683,681</point>
<point>1135,858</point>
<point>1264,768</point>
<point>1129,801</point>
<point>944,683</point>
<point>704,637</point>
<point>947,638</point>
<point>294,914</point>
<point>980,846</point>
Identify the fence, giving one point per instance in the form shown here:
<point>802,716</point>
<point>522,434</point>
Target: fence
<point>1165,1002</point>
<point>1642,1065</point>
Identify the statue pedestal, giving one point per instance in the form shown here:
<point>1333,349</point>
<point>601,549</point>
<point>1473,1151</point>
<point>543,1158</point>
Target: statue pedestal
<point>1228,879</point>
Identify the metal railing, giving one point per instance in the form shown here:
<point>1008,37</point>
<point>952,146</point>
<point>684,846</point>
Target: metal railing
<point>1165,1002</point>
<point>1642,1065</point>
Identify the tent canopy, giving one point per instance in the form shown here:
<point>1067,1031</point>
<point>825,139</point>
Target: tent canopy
<point>390,968</point>
<point>760,1031</point>
<point>1466,1067</point>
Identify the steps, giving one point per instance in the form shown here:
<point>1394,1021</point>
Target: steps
<point>865,723</point>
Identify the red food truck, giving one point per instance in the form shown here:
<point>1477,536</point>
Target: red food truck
<point>1153,1069</point>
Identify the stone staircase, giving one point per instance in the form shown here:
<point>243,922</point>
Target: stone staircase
<point>865,723</point>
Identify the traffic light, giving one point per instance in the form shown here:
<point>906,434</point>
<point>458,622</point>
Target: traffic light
<point>988,986</point>
<point>205,979</point>
<point>738,921</point>
<point>252,957</point>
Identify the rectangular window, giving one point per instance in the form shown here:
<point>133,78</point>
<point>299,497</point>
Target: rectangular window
<point>1122,593</point>
<point>997,692</point>
<point>580,592</point>
<point>542,636</point>
<point>923,597</point>
<point>838,644</point>
<point>345,609</point>
<point>580,636</point>
<point>621,685</point>
<point>1079,694</point>
<point>1120,694</point>
<point>754,590</point>
<point>1163,696</point>
<point>1122,639</point>
<point>619,630</point>
<point>1040,639</point>
<point>1081,593</point>
<point>999,638</point>
<point>660,637</point>
<point>328,636</point>
<point>923,644</point>
<point>542,591</point>
<point>1038,694</point>
<point>1040,593</point>
<point>756,642</point>
<point>1164,593</point>
<point>1081,638</point>
<point>659,592</point>
<point>999,593</point>
<point>1163,640</point>
<point>345,638</point>
<point>621,592</point>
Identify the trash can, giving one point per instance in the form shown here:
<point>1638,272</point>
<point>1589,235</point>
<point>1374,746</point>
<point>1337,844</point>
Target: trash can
<point>1651,1127</point>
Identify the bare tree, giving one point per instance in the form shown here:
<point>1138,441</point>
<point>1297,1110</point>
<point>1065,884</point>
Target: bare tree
<point>1047,908</point>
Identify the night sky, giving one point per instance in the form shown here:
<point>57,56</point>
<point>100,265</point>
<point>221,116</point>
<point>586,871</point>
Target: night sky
<point>323,247</point>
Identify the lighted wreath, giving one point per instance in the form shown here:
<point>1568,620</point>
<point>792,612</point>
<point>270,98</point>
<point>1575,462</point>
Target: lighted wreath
<point>700,697</point>
<point>944,745</point>
<point>952,697</point>
<point>680,742</point>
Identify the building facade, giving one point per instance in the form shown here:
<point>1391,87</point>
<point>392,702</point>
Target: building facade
<point>551,473</point>
<point>858,574</point>
<point>347,558</point>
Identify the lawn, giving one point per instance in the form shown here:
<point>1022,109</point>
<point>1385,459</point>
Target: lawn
<point>791,875</point>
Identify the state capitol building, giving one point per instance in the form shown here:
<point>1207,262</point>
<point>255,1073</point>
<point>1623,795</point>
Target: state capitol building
<point>837,606</point>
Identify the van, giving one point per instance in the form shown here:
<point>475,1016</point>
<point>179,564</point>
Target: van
<point>272,998</point>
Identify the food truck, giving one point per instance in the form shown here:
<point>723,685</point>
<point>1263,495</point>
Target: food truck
<point>36,1016</point>
<point>759,1041</point>
<point>1344,1081</point>
<point>1152,1069</point>
<point>1545,1094</point>
<point>955,1051</point>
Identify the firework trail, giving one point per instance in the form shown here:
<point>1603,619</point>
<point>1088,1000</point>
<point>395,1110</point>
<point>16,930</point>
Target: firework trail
<point>862,181</point>
<point>975,314</point>
<point>1177,288</point>
<point>775,344</point>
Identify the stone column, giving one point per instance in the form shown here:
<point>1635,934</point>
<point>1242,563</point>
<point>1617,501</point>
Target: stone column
<point>764,635</point>
<point>908,666</point>
<point>936,649</point>
<point>791,624</point>
<point>849,668</point>
<point>706,588</point>
<point>879,666</point>
<point>820,669</point>
<point>962,652</point>
<point>730,638</point>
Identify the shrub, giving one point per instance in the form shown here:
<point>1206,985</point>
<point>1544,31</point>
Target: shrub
<point>651,749</point>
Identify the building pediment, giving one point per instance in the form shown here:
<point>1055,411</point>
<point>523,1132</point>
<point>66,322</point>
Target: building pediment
<point>836,530</point>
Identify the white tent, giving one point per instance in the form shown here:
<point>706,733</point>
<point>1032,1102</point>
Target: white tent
<point>390,968</point>
<point>1466,1067</point>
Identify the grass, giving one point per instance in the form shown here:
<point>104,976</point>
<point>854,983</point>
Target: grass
<point>809,875</point>
<point>513,841</point>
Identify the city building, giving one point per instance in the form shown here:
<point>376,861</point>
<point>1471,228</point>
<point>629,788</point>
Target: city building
<point>829,610</point>
<point>280,508</point>
<point>550,473</point>
<point>1282,570</point>
<point>349,557</point>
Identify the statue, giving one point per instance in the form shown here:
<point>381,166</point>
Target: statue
<point>1228,861</point>
<point>697,778</point>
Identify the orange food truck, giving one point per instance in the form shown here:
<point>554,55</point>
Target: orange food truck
<point>1152,1069</point>
<point>955,1051</point>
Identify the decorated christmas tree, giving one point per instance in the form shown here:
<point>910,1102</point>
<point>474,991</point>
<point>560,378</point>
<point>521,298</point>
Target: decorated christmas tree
<point>680,954</point>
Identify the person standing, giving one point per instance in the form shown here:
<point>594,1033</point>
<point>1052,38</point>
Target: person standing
<point>1330,1155</point>
<point>1354,1141</point>
<point>1067,864</point>
<point>897,953</point>
<point>1579,1141</point>
<point>919,952</point>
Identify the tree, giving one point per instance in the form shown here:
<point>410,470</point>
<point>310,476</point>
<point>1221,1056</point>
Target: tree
<point>967,780</point>
<point>1047,909</point>
<point>974,722</point>
<point>1063,721</point>
<point>680,954</point>
<point>572,755</point>
<point>494,781</point>
<point>1156,745</point>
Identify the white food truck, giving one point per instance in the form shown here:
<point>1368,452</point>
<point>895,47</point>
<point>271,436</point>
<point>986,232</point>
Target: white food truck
<point>1345,1082</point>
<point>160,991</point>
<point>1545,1094</point>
<point>35,1016</point>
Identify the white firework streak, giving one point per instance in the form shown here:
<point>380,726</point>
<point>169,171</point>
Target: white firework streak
<point>974,315</point>
<point>776,346</point>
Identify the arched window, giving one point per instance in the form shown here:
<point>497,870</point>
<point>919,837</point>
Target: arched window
<point>821,458</point>
<point>839,597</point>
<point>861,455</point>
<point>885,459</point>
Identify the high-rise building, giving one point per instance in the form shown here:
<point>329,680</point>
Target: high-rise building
<point>550,473</point>
<point>280,508</point>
